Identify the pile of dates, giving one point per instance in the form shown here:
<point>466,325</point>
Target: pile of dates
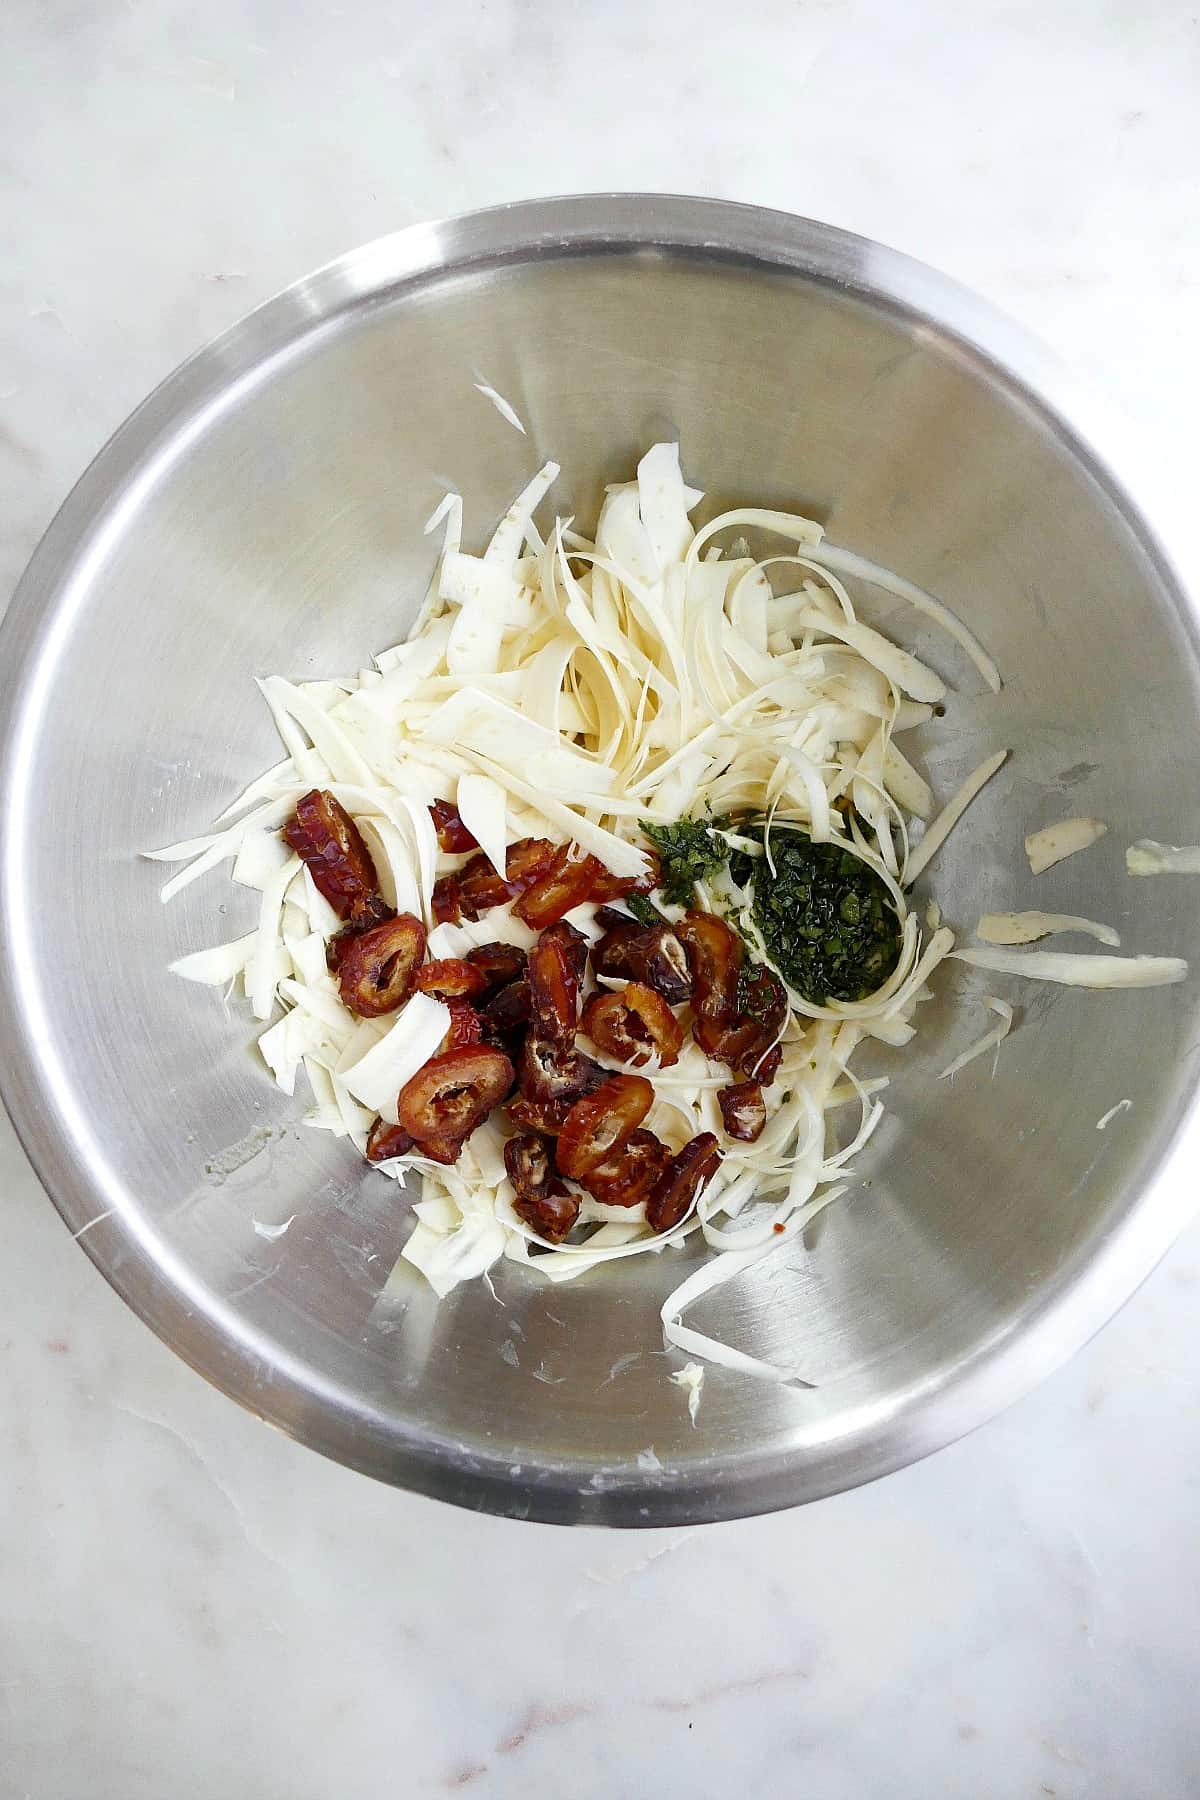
<point>515,1017</point>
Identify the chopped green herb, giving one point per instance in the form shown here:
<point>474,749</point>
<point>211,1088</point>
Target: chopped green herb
<point>826,919</point>
<point>690,852</point>
<point>643,909</point>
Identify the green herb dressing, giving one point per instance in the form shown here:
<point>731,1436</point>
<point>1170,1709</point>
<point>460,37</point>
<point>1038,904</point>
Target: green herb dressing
<point>826,920</point>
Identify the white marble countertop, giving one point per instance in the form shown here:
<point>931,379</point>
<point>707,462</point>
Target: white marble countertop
<point>192,1605</point>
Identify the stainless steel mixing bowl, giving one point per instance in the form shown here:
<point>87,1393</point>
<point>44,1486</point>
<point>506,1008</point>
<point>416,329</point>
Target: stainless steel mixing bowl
<point>262,512</point>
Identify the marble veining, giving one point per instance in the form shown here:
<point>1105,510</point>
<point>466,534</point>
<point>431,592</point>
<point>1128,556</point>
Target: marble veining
<point>190,1603</point>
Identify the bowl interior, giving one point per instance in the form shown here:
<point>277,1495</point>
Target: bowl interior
<point>264,515</point>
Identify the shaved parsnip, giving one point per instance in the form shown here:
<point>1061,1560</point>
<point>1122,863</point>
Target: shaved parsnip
<point>1027,927</point>
<point>909,675</point>
<point>990,1039</point>
<point>664,503</point>
<point>691,1379</point>
<point>262,970</point>
<point>1148,858</point>
<point>395,862</point>
<point>481,807</point>
<point>1079,971</point>
<point>501,405</point>
<point>948,818</point>
<point>849,564</point>
<point>376,1079</point>
<point>1053,843</point>
<point>909,789</point>
<point>217,966</point>
<point>790,525</point>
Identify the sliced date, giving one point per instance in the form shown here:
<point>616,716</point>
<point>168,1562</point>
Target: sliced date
<point>681,1180</point>
<point>385,1141</point>
<point>454,1092</point>
<point>329,843</point>
<point>466,1026</point>
<point>743,1110</point>
<point>602,1122</point>
<point>377,968</point>
<point>551,1077</point>
<point>446,901</point>
<point>714,953</point>
<point>618,887</point>
<point>626,1177</point>
<point>545,1116</point>
<point>506,1013</point>
<point>635,1025</point>
<point>480,888</point>
<point>556,965</point>
<point>452,835</point>
<point>540,1198</point>
<point>651,954</point>
<point>565,884</point>
<point>499,964</point>
<point>451,978</point>
<point>550,1069</point>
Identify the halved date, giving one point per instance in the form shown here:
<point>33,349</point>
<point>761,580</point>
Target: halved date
<point>506,1013</point>
<point>540,1198</point>
<point>499,964</point>
<point>327,840</point>
<point>374,912</point>
<point>479,886</point>
<point>446,901</point>
<point>626,1177</point>
<point>556,965</point>
<point>451,978</point>
<point>551,1069</point>
<point>552,1077</point>
<point>651,954</point>
<point>607,886</point>
<point>454,1092</point>
<point>681,1180</point>
<point>634,1025</point>
<point>452,835</point>
<point>602,1122</point>
<point>545,1116</point>
<point>551,1215</point>
<point>572,942</point>
<point>746,1037</point>
<point>377,968</point>
<point>565,884</point>
<point>714,953</point>
<point>385,1141</point>
<point>743,1110</point>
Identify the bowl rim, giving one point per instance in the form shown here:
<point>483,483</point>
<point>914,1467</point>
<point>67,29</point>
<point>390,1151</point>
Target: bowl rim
<point>187,1317</point>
